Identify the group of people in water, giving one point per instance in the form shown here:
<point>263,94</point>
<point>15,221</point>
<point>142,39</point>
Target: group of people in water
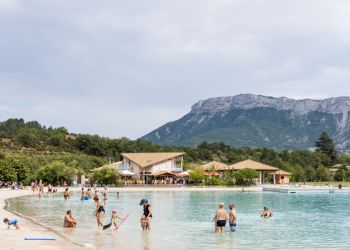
<point>221,217</point>
<point>99,212</point>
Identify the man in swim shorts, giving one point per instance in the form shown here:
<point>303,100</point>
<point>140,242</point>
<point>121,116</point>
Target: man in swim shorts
<point>232,217</point>
<point>69,221</point>
<point>220,219</point>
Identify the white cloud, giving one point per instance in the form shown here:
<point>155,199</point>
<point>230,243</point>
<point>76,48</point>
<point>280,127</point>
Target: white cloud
<point>122,68</point>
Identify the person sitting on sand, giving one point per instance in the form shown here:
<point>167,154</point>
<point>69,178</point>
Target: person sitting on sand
<point>99,213</point>
<point>11,222</point>
<point>220,219</point>
<point>266,213</point>
<point>69,221</point>
<point>146,216</point>
<point>232,217</point>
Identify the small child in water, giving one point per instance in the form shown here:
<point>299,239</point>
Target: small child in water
<point>11,222</point>
<point>115,219</point>
<point>144,222</point>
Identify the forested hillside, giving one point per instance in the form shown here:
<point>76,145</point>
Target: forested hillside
<point>29,150</point>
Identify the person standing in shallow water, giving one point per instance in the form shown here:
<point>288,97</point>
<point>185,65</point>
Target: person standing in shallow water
<point>220,219</point>
<point>146,218</point>
<point>232,217</point>
<point>99,212</point>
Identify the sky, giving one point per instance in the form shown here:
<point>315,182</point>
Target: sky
<point>123,68</point>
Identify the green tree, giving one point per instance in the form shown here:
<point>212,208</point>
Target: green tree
<point>310,173</point>
<point>325,144</point>
<point>7,171</point>
<point>245,176</point>
<point>322,174</point>
<point>197,175</point>
<point>298,173</point>
<point>342,174</point>
<point>105,175</point>
<point>57,172</point>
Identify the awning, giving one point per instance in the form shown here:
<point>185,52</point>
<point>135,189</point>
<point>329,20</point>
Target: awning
<point>183,174</point>
<point>126,173</point>
<point>157,174</point>
<point>211,174</point>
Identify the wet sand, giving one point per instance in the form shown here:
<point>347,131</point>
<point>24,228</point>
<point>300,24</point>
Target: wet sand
<point>14,239</point>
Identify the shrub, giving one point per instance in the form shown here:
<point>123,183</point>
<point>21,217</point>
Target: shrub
<point>245,176</point>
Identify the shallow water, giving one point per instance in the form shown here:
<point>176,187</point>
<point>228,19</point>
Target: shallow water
<point>183,220</point>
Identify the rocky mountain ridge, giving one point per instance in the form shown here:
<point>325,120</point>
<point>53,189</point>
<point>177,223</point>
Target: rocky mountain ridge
<point>247,120</point>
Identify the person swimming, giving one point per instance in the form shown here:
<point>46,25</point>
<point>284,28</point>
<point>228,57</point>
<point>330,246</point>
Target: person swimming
<point>9,223</point>
<point>266,213</point>
<point>232,217</point>
<point>220,219</point>
<point>99,212</point>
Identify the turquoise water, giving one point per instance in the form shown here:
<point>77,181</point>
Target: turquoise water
<point>183,220</point>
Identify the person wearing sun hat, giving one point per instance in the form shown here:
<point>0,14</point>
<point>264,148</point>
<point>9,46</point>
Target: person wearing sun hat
<point>146,216</point>
<point>220,218</point>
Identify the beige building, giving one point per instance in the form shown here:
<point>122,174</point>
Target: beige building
<point>147,165</point>
<point>282,177</point>
<point>261,168</point>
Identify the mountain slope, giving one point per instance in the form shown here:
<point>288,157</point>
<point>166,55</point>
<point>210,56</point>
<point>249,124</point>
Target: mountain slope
<point>259,121</point>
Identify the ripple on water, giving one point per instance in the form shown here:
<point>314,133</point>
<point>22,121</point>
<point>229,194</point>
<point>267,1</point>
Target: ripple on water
<point>183,220</point>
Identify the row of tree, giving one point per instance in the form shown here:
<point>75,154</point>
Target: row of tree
<point>51,148</point>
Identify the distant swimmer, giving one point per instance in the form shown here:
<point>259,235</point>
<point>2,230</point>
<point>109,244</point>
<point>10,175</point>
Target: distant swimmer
<point>266,213</point>
<point>83,194</point>
<point>232,217</point>
<point>220,219</point>
<point>96,196</point>
<point>69,220</point>
<point>66,194</point>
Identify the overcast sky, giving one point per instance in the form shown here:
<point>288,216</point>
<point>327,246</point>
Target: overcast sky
<point>123,68</point>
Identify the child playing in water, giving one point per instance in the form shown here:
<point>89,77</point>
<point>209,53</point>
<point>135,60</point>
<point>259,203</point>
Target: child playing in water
<point>11,222</point>
<point>144,222</point>
<point>115,219</point>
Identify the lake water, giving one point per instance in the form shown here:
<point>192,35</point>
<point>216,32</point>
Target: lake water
<point>183,220</point>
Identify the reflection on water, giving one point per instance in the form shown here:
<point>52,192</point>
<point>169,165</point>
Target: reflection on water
<point>183,220</point>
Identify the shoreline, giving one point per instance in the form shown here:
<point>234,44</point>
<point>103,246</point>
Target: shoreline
<point>28,228</point>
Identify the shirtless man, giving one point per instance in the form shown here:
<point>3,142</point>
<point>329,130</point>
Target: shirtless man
<point>266,213</point>
<point>232,217</point>
<point>220,219</point>
<point>69,221</point>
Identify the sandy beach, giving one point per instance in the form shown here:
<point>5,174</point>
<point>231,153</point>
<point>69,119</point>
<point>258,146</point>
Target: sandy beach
<point>14,239</point>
